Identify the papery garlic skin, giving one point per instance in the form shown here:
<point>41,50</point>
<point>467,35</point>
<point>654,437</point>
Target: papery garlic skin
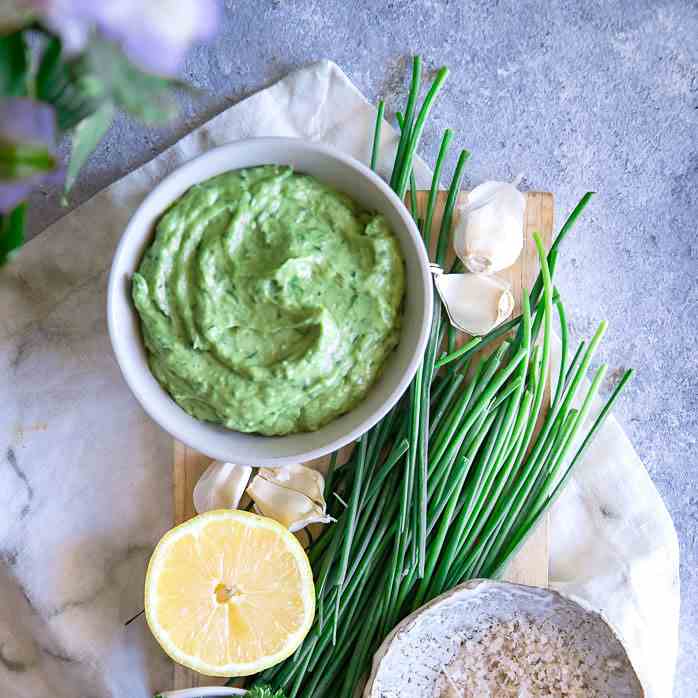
<point>221,486</point>
<point>488,236</point>
<point>475,303</point>
<point>293,496</point>
<point>300,478</point>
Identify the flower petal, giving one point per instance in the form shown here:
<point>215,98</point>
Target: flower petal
<point>12,193</point>
<point>157,35</point>
<point>24,120</point>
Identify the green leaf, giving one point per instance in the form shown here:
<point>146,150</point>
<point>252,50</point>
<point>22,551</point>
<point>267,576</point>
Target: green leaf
<point>50,75</point>
<point>78,87</point>
<point>14,65</point>
<point>12,232</point>
<point>87,135</point>
<point>147,97</point>
<point>19,160</point>
<point>68,85</point>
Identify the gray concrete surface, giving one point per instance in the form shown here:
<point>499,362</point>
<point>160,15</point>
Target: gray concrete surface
<point>590,95</point>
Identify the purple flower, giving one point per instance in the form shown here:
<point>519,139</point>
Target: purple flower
<point>27,148</point>
<point>154,34</point>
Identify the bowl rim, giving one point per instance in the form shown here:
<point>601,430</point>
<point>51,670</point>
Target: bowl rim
<point>468,591</point>
<point>166,418</point>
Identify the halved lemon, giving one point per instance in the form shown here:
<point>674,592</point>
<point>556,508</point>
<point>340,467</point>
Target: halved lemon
<point>229,593</point>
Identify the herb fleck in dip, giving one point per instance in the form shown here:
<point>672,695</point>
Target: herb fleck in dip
<point>268,301</point>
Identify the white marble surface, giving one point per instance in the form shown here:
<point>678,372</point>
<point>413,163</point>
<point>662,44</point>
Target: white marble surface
<point>85,483</point>
<point>85,476</point>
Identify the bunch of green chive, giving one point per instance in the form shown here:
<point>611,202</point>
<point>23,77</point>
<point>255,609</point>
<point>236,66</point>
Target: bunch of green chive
<point>450,483</point>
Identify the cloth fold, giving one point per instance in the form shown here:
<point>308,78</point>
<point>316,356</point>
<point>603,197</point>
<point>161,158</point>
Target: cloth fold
<point>85,482</point>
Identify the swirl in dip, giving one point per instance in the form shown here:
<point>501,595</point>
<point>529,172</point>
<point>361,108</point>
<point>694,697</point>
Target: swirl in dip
<point>268,301</point>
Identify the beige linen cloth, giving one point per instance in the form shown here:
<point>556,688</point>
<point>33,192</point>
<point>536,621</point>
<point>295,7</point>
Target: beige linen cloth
<point>85,483</point>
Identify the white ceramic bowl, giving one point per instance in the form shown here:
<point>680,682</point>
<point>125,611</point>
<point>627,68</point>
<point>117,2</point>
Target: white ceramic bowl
<point>431,639</point>
<point>341,172</point>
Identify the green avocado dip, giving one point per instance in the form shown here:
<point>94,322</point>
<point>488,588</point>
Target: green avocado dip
<point>268,301</point>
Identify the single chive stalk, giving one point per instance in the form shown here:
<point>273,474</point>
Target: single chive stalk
<point>375,149</point>
<point>403,144</point>
<point>435,184</point>
<point>416,133</point>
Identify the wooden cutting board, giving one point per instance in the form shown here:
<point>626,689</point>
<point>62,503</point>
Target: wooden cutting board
<point>530,566</point>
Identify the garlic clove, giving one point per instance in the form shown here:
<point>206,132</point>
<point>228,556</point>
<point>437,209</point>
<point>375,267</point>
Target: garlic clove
<point>293,509</point>
<point>488,236</point>
<point>475,303</point>
<point>221,486</point>
<point>300,478</point>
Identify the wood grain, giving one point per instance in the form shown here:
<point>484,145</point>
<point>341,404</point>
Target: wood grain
<point>188,466</point>
<point>531,564</point>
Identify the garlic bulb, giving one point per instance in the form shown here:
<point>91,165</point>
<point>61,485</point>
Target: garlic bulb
<point>221,486</point>
<point>489,234</point>
<point>475,303</point>
<point>293,496</point>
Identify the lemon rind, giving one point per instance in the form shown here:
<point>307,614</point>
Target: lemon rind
<point>234,669</point>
